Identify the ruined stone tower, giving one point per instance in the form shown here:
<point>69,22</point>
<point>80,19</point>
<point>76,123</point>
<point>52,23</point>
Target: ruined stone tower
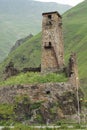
<point>73,70</point>
<point>52,43</point>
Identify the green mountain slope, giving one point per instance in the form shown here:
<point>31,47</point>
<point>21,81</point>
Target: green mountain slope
<point>19,18</point>
<point>75,30</point>
<point>75,38</point>
<point>26,55</point>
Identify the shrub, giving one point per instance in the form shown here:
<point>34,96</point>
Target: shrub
<point>33,78</point>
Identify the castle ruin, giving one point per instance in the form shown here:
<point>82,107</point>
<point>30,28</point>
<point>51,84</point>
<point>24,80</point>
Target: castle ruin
<point>53,50</point>
<point>40,103</point>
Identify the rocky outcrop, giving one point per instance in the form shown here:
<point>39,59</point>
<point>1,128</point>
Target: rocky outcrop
<point>41,103</point>
<point>21,41</point>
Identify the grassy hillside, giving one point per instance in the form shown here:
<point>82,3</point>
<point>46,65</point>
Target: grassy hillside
<point>75,38</point>
<point>26,55</point>
<point>19,18</point>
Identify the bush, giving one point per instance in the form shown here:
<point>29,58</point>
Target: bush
<point>33,78</point>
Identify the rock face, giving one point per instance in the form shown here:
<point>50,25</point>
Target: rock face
<point>21,41</point>
<point>41,103</point>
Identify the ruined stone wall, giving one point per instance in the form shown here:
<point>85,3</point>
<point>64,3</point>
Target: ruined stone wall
<point>34,91</point>
<point>56,101</point>
<point>73,70</point>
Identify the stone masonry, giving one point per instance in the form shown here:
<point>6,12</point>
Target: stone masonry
<point>73,70</point>
<point>52,43</point>
<point>58,101</point>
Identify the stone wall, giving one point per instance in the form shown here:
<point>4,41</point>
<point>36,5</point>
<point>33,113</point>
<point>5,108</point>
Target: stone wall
<point>48,102</point>
<point>71,70</point>
<point>35,92</point>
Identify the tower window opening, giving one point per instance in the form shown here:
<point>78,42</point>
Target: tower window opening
<point>49,16</point>
<point>48,92</point>
<point>48,46</point>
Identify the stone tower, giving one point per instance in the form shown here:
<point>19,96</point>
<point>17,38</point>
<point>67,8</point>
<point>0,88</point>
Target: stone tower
<point>52,43</point>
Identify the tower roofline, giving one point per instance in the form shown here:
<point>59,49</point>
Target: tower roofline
<point>55,12</point>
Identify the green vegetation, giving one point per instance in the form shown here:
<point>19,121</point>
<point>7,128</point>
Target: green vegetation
<point>26,55</point>
<point>11,115</point>
<point>6,109</point>
<point>29,78</point>
<point>62,127</point>
<point>75,29</point>
<point>18,111</point>
<point>75,38</point>
<point>6,114</point>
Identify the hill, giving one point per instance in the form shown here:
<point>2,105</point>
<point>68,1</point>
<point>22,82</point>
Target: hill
<point>19,18</point>
<point>75,28</point>
<point>26,55</point>
<point>75,38</point>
